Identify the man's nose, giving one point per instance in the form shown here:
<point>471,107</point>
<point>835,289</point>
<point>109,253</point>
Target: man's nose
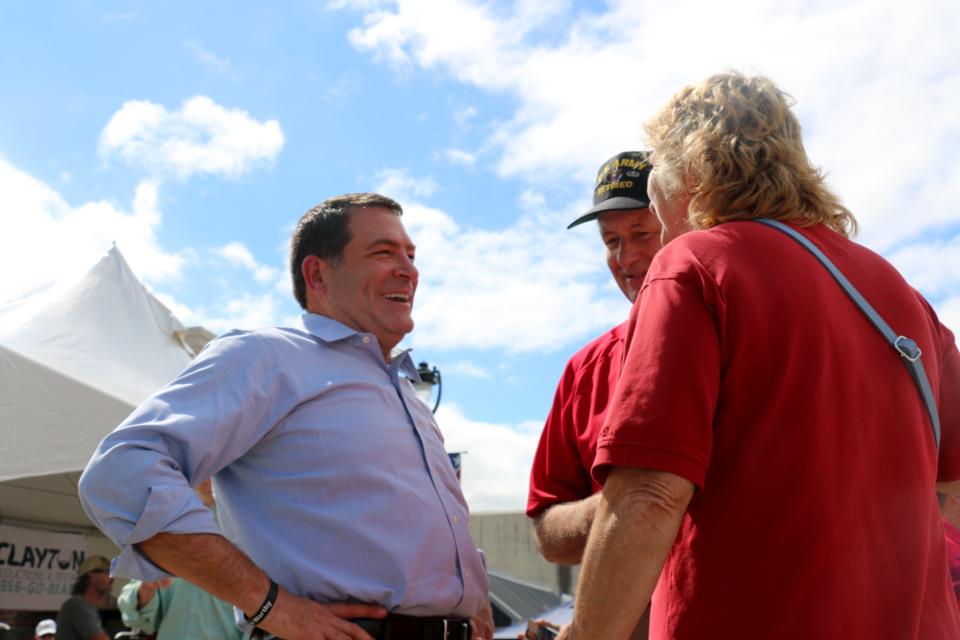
<point>629,253</point>
<point>407,269</point>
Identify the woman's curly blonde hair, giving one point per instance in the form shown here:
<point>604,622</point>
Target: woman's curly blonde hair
<point>734,144</point>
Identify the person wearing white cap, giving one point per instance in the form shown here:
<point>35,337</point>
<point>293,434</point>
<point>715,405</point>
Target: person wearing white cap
<point>78,618</point>
<point>46,630</point>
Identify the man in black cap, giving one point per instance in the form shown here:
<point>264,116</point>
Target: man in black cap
<point>563,496</point>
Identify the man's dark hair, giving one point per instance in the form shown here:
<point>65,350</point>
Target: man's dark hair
<point>324,231</point>
<point>80,586</point>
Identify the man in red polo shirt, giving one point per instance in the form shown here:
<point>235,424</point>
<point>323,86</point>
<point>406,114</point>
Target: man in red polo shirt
<point>562,496</point>
<point>768,462</point>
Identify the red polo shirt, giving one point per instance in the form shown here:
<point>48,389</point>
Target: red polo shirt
<point>568,443</point>
<point>750,373</point>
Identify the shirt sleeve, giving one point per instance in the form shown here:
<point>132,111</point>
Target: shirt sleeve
<point>145,618</point>
<point>139,481</point>
<point>557,474</point>
<point>661,414</point>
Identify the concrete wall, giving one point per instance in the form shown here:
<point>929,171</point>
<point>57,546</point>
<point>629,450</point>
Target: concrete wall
<point>508,541</point>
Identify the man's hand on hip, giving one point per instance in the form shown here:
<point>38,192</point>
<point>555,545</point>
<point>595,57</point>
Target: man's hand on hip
<point>296,618</point>
<point>482,622</point>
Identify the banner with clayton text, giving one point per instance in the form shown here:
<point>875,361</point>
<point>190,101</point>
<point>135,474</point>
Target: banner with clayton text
<point>37,568</point>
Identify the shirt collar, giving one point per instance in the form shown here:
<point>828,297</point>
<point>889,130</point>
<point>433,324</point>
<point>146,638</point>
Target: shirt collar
<point>405,361</point>
<point>329,330</point>
<point>325,328</point>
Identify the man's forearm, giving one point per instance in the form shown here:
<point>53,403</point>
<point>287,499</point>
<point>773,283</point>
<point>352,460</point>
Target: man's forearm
<point>562,529</point>
<point>637,521</point>
<point>212,563</point>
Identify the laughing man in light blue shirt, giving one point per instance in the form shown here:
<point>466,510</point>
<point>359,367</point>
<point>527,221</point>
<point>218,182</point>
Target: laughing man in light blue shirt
<point>331,477</point>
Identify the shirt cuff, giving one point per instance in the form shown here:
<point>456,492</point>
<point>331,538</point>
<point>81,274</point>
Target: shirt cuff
<point>169,509</point>
<point>134,616</point>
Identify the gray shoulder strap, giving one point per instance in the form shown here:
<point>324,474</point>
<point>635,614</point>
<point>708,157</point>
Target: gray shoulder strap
<point>907,348</point>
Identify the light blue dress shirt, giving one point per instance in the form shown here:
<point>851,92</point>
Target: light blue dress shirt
<point>329,472</point>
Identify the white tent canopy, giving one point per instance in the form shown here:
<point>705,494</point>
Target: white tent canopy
<point>73,363</point>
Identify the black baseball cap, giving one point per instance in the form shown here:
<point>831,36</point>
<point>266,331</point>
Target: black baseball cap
<point>621,184</point>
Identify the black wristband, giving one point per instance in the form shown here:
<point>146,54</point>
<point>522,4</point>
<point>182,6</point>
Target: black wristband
<point>266,607</point>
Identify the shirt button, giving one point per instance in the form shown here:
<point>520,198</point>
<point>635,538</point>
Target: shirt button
<point>455,519</point>
<point>366,339</point>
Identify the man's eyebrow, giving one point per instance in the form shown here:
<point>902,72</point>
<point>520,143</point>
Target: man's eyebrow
<point>391,243</point>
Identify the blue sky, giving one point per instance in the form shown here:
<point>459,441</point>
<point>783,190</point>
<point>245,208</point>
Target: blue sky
<point>194,136</point>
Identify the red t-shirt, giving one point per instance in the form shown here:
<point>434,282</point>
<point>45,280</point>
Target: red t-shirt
<point>568,443</point>
<point>750,373</point>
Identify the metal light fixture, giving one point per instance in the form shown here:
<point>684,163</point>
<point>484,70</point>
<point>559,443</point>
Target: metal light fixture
<point>429,378</point>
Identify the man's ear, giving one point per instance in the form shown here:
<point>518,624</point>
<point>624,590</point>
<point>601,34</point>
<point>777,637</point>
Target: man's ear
<point>314,271</point>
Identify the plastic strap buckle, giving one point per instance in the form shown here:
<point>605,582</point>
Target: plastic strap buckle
<point>907,348</point>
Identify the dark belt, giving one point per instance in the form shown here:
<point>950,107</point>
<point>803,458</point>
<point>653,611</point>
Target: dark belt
<point>400,627</point>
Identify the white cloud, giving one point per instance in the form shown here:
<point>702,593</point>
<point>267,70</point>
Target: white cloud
<point>529,287</point>
<point>872,100</point>
<point>201,137</point>
<point>209,59</point>
<point>45,239</point>
<point>466,368</point>
<point>532,200</point>
<point>340,89</point>
<point>401,186</point>
<point>458,156</point>
<point>949,312</point>
<point>245,312</point>
<point>463,116</point>
<point>496,468</point>
<point>532,286</point>
<point>333,5</point>
<point>238,254</point>
<point>933,267</point>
